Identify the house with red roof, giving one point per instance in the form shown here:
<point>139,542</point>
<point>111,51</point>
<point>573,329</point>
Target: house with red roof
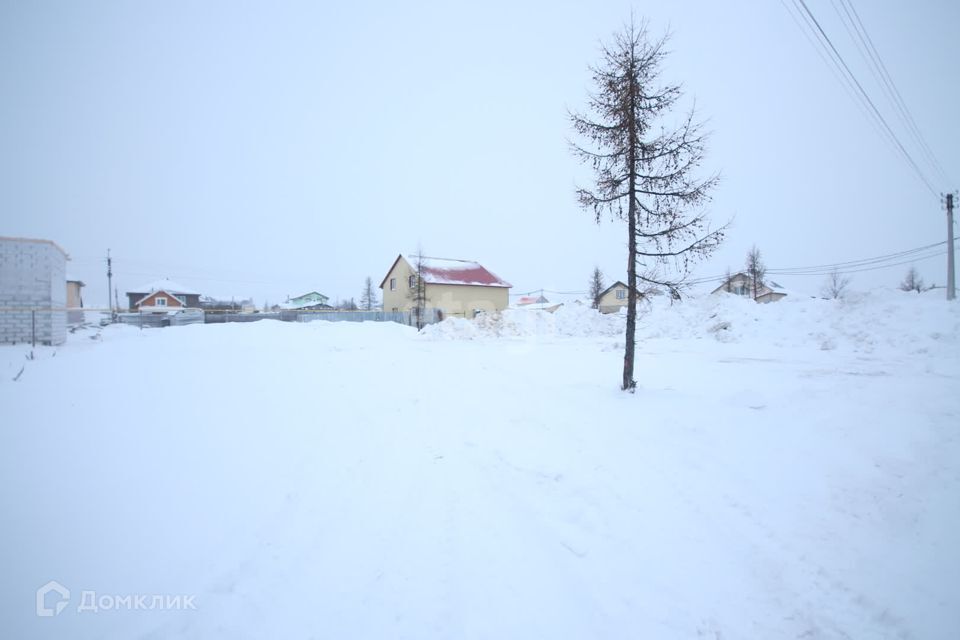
<point>459,288</point>
<point>523,301</point>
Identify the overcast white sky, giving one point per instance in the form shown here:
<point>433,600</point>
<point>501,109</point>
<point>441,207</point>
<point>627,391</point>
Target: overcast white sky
<point>266,149</point>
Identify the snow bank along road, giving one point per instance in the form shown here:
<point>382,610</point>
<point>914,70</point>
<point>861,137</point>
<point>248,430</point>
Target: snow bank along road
<point>783,471</point>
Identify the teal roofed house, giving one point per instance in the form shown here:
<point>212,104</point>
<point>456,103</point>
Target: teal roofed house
<point>312,300</point>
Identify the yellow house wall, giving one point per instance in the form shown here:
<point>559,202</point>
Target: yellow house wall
<point>453,299</point>
<point>461,300</point>
<point>609,302</point>
<point>73,296</point>
<point>400,298</point>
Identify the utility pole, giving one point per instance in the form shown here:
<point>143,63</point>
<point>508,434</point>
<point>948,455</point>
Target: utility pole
<point>951,282</point>
<point>109,282</point>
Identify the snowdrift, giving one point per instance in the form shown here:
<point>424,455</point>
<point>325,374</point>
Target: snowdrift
<point>789,470</point>
<point>568,320</point>
<point>863,322</point>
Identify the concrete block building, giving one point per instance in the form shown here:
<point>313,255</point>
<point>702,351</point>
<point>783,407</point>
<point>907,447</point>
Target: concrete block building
<point>33,291</point>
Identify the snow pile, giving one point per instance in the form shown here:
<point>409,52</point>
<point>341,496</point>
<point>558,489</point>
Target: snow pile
<point>567,321</point>
<point>453,329</point>
<point>328,480</point>
<point>863,323</point>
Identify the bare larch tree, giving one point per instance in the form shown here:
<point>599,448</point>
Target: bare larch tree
<point>756,270</point>
<point>596,287</point>
<point>645,170</point>
<point>417,290</point>
<point>368,299</point>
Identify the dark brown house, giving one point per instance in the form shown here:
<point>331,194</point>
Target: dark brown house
<point>163,295</point>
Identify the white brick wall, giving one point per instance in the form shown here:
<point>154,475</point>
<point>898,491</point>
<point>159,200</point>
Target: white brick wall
<point>32,279</point>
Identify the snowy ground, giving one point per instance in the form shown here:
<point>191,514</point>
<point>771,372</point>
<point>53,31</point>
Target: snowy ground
<point>784,471</point>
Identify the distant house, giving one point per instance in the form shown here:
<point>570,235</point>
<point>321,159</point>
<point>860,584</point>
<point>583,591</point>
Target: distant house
<point>741,284</point>
<point>313,301</point>
<point>454,287</point>
<point>74,301</point>
<point>549,307</point>
<point>523,301</point>
<point>162,296</point>
<point>537,303</point>
<point>614,298</point>
<point>212,305</point>
<point>767,294</point>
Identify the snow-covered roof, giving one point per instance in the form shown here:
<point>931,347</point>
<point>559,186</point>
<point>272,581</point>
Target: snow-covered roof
<point>767,286</point>
<point>449,271</point>
<point>165,284</point>
<point>312,295</point>
<point>38,241</point>
<point>295,303</point>
<point>618,283</point>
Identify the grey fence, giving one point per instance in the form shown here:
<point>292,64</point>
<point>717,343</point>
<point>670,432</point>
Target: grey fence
<point>430,316</point>
<point>217,317</point>
<point>187,316</point>
<point>144,320</point>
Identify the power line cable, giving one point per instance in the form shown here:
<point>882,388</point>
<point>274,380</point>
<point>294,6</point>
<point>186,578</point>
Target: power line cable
<point>858,41</point>
<point>912,260</point>
<point>850,266</point>
<point>866,261</point>
<point>892,91</point>
<point>873,107</point>
<point>810,33</point>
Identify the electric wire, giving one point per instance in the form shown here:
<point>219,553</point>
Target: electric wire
<point>825,40</point>
<point>892,91</point>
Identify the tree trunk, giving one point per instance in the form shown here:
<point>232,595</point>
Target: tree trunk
<point>629,347</point>
<point>630,342</point>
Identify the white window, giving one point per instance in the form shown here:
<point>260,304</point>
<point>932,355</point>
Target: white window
<point>393,284</point>
<point>159,301</point>
<point>182,299</point>
<point>621,294</point>
<point>412,281</point>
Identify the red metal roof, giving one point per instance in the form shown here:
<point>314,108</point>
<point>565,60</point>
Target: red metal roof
<point>447,271</point>
<point>443,271</point>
